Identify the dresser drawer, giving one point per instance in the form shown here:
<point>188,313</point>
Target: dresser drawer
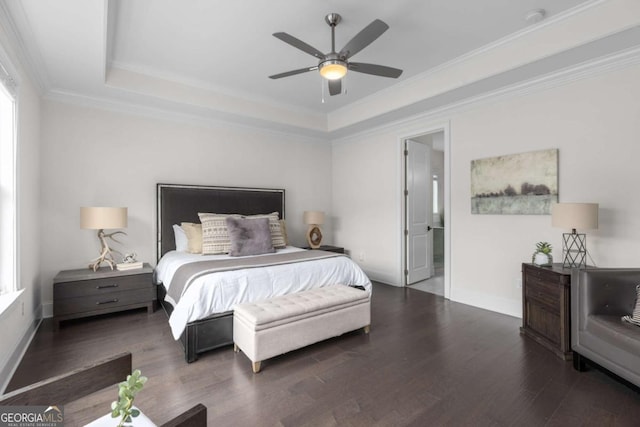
<point>543,291</point>
<point>108,301</point>
<point>101,286</point>
<point>546,275</point>
<point>543,321</point>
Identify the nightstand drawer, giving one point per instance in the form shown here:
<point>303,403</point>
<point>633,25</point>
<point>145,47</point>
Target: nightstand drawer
<point>101,286</point>
<point>545,274</point>
<point>108,301</point>
<point>547,323</point>
<point>547,293</point>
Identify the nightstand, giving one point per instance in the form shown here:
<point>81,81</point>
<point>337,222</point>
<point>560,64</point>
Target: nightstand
<point>546,307</point>
<point>327,248</point>
<point>84,293</point>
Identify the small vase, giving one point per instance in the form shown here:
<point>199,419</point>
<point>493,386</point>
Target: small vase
<point>542,259</point>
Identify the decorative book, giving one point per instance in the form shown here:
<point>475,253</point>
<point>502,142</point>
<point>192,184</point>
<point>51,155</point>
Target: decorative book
<point>129,265</point>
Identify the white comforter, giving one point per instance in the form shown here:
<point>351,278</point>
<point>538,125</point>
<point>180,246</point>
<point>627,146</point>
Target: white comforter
<point>221,291</point>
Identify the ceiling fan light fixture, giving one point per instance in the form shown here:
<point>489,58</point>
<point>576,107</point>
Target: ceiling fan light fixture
<point>333,69</point>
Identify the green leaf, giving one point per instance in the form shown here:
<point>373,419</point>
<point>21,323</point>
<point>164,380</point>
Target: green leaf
<point>135,412</point>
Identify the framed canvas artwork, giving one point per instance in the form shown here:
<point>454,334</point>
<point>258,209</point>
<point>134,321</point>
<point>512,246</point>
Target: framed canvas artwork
<point>524,183</point>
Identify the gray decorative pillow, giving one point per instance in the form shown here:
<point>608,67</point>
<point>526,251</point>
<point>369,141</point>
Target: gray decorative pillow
<point>249,236</point>
<point>275,227</point>
<point>635,317</point>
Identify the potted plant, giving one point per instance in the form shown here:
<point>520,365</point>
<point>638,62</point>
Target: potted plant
<point>127,390</point>
<point>542,256</point>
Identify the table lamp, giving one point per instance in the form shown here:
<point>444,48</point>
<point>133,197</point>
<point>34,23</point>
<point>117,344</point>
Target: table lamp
<point>574,216</point>
<point>314,219</point>
<point>99,218</point>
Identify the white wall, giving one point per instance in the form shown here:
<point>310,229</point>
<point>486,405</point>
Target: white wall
<point>594,124</point>
<point>18,322</point>
<point>99,157</point>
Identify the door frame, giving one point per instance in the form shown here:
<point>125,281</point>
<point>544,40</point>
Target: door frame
<point>443,127</point>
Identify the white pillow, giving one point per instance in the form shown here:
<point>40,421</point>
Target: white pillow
<point>182,244</point>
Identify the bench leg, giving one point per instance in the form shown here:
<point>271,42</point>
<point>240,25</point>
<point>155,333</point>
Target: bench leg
<point>256,367</point>
<point>235,348</point>
<point>367,329</point>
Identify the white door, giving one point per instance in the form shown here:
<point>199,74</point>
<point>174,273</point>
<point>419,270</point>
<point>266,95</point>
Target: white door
<point>419,237</point>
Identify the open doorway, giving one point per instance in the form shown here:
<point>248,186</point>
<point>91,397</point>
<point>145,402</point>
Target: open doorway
<point>424,201</point>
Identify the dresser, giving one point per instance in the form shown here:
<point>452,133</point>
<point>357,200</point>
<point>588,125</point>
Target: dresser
<point>83,292</point>
<point>546,307</point>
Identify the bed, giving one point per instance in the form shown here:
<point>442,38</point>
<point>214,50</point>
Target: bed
<point>203,323</point>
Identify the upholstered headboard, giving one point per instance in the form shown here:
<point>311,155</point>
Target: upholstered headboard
<point>178,203</point>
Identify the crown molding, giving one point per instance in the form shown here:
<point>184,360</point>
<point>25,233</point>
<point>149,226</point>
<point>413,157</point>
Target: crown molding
<point>196,116</point>
<point>204,117</point>
<point>208,87</point>
<point>588,69</point>
<point>23,46</point>
<point>533,35</point>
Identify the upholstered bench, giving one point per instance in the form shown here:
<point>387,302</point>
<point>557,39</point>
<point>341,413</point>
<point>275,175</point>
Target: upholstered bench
<point>265,329</point>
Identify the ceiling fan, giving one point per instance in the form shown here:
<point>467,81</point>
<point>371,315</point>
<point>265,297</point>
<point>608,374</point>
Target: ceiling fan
<point>333,66</point>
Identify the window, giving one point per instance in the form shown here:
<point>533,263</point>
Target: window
<point>8,282</point>
<point>435,194</point>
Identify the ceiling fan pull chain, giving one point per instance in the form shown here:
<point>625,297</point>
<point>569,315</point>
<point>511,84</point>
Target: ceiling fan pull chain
<point>322,89</point>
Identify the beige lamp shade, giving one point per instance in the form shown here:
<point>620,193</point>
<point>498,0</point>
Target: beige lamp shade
<point>582,216</point>
<point>98,218</point>
<point>313,217</point>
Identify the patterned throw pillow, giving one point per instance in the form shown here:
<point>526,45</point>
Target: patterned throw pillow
<point>283,228</point>
<point>215,235</point>
<point>274,226</point>
<point>635,317</point>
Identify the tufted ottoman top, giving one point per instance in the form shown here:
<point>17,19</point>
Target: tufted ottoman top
<point>293,307</point>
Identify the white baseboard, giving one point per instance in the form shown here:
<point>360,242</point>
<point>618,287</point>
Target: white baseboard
<point>380,276</point>
<point>486,301</point>
<point>47,309</point>
<point>7,371</point>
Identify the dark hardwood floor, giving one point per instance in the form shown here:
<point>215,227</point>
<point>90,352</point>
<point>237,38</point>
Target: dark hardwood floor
<point>427,362</point>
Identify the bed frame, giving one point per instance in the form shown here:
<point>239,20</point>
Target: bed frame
<point>181,203</point>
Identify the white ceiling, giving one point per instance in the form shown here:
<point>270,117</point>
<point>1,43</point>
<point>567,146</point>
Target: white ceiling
<point>229,45</point>
<point>199,55</point>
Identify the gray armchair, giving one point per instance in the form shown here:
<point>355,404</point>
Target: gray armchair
<point>599,299</point>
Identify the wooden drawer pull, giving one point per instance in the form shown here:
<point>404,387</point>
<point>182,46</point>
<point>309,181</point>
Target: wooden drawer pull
<point>115,285</point>
<point>107,302</point>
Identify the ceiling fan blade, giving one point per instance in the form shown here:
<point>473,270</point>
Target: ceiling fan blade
<point>364,38</point>
<point>293,72</point>
<point>335,87</point>
<point>374,69</point>
<point>287,38</point>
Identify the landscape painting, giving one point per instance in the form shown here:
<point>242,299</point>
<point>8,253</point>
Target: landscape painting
<point>525,183</point>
